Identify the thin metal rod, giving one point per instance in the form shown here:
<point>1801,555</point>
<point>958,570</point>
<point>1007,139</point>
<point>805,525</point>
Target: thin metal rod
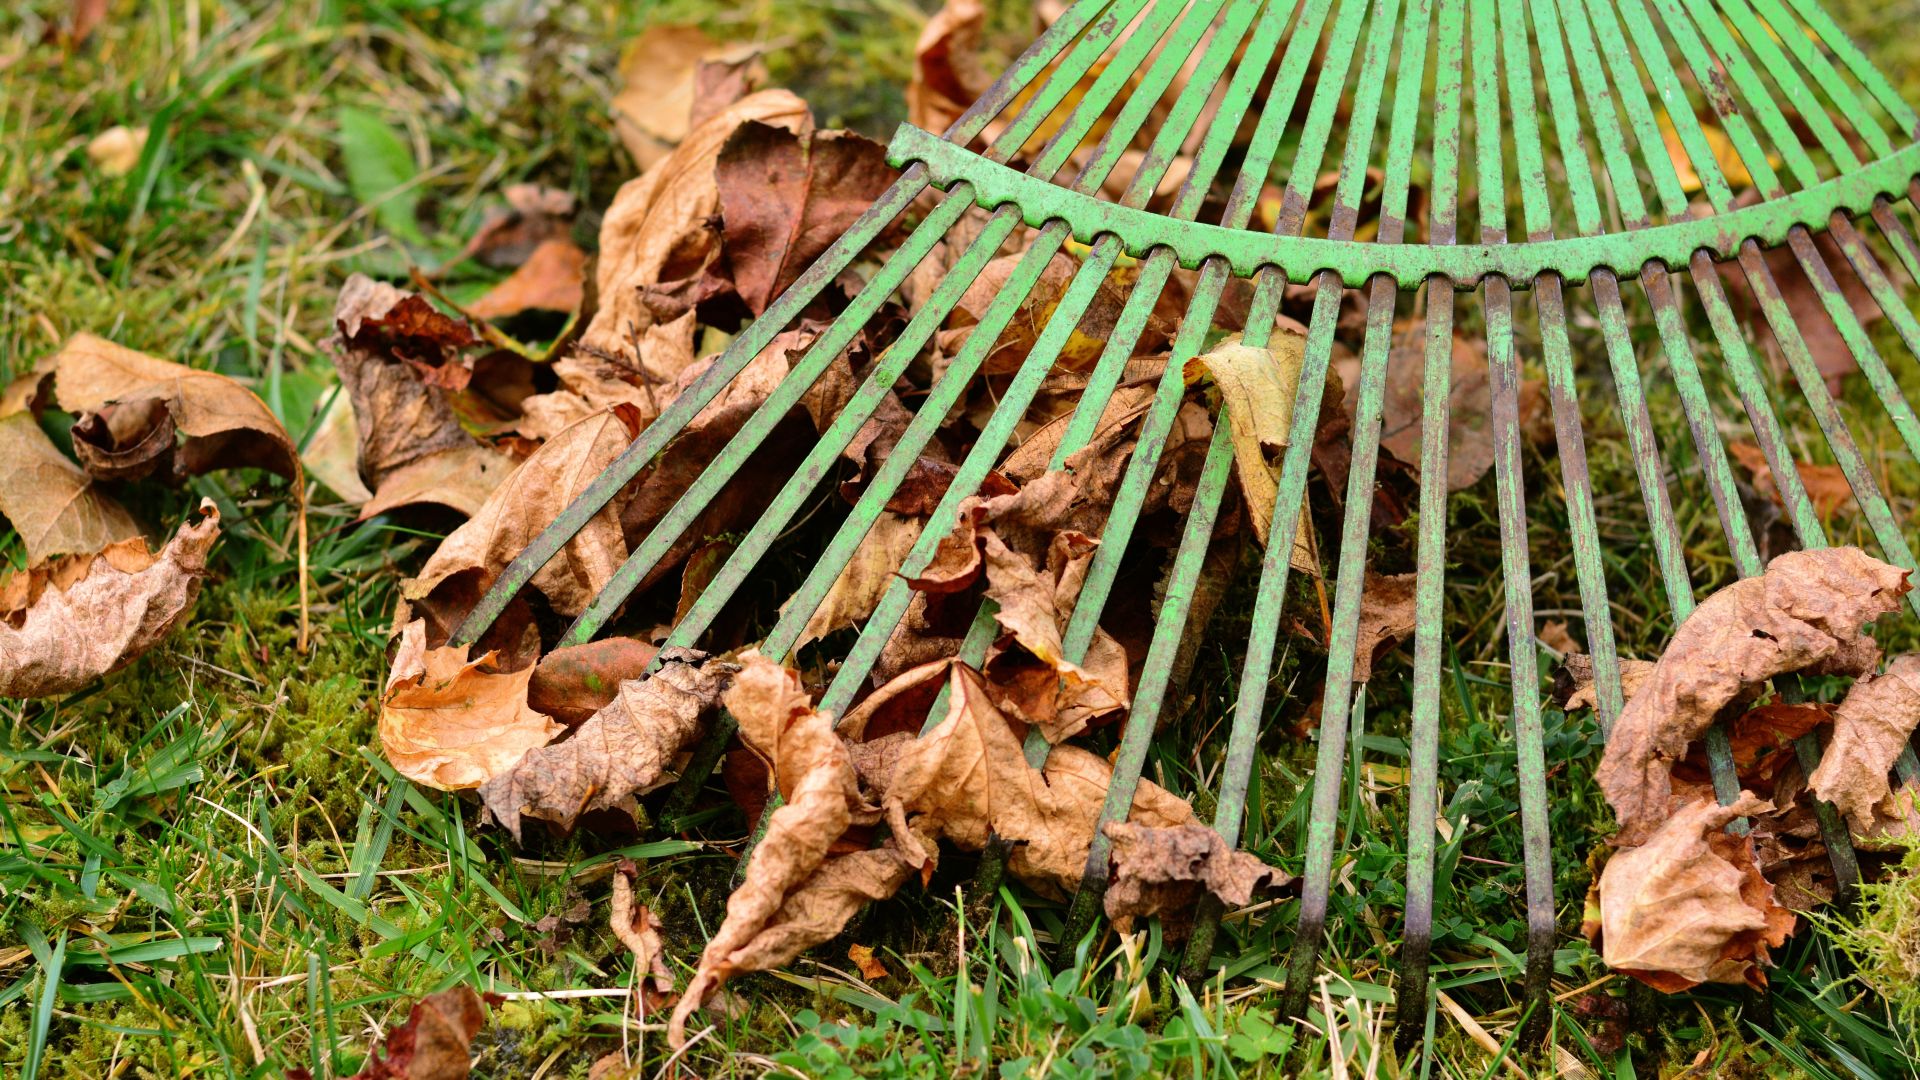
<point>1423,795</point>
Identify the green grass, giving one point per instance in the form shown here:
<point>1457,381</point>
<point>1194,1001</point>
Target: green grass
<point>207,869</point>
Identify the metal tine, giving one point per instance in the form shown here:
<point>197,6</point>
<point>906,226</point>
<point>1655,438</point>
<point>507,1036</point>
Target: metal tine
<point>1649,468</point>
<point>1760,40</point>
<point>1238,211</point>
<point>1423,795</point>
<point>1504,379</point>
<point>1836,40</point>
<point>1216,474</point>
<point>1858,114</point>
<point>959,373</point>
<point>1550,308</point>
<point>1799,358</point>
<point>1264,310</point>
<point>1840,227</point>
<point>1737,358</point>
<point>1369,84</point>
<point>825,454</point>
<point>1004,92</point>
<point>1107,370</point>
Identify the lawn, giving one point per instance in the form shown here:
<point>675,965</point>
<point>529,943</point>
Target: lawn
<point>208,867</point>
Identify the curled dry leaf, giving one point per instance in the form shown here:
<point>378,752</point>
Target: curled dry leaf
<point>656,233</point>
<point>451,723</point>
<point>621,751</point>
<point>332,451</point>
<point>968,778</point>
<point>412,448</point>
<point>1165,872</point>
<point>131,405</point>
<point>786,195</point>
<point>1870,728</point>
<point>638,928</point>
<point>464,566</point>
<point>67,621</point>
<point>794,896</point>
<point>534,215</point>
<point>1806,613</point>
<point>871,969</point>
<point>1690,906</point>
<point>645,377</point>
<point>433,1043</point>
<point>49,501</point>
<point>1061,697</point>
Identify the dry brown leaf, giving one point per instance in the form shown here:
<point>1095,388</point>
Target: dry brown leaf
<point>661,87</point>
<point>1573,682</point>
<point>1870,728</point>
<point>554,278</point>
<point>871,969</point>
<point>865,578</point>
<point>70,620</point>
<point>645,377</point>
<point>448,722</point>
<point>1469,404</point>
<point>1826,485</point>
<point>1386,618</point>
<point>1082,347</point>
<point>794,896</point>
<point>620,752</point>
<point>638,928</point>
<point>573,682</point>
<point>534,216</point>
<point>433,1043</point>
<point>468,560</point>
<point>1690,906</point>
<point>412,448</point>
<point>117,150</point>
<point>968,778</point>
<point>130,405</point>
<point>1806,613</point>
<point>1034,606</point>
<point>332,451</point>
<point>1166,871</point>
<point>656,232</point>
<point>1257,390</point>
<point>1808,315</point>
<point>786,195</point>
<point>50,501</point>
<point>1555,635</point>
<point>947,70</point>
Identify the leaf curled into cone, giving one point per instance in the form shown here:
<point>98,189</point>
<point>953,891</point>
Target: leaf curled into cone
<point>434,1042</point>
<point>639,930</point>
<point>67,621</point>
<point>131,405</point>
<point>452,723</point>
<point>1806,613</point>
<point>1871,726</point>
<point>620,751</point>
<point>1690,905</point>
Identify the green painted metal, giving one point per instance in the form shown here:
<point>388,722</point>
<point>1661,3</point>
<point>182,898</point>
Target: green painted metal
<point>1567,103</point>
<point>1305,257</point>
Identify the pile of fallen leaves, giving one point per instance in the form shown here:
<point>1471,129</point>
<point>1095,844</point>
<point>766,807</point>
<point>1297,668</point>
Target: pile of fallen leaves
<point>1685,900</point>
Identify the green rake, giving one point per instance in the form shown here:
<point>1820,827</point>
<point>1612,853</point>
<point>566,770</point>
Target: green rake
<point>1187,77</point>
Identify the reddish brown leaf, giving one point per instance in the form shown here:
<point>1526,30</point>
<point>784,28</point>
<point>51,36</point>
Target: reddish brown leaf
<point>1870,729</point>
<point>1826,485</point>
<point>1165,872</point>
<point>454,723</point>
<point>433,1043</point>
<point>947,70</point>
<point>553,278</point>
<point>786,195</point>
<point>572,683</point>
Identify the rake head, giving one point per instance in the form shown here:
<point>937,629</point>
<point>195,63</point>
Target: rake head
<point>1656,108</point>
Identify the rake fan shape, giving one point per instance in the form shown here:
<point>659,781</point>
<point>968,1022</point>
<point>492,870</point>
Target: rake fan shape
<point>1535,87</point>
